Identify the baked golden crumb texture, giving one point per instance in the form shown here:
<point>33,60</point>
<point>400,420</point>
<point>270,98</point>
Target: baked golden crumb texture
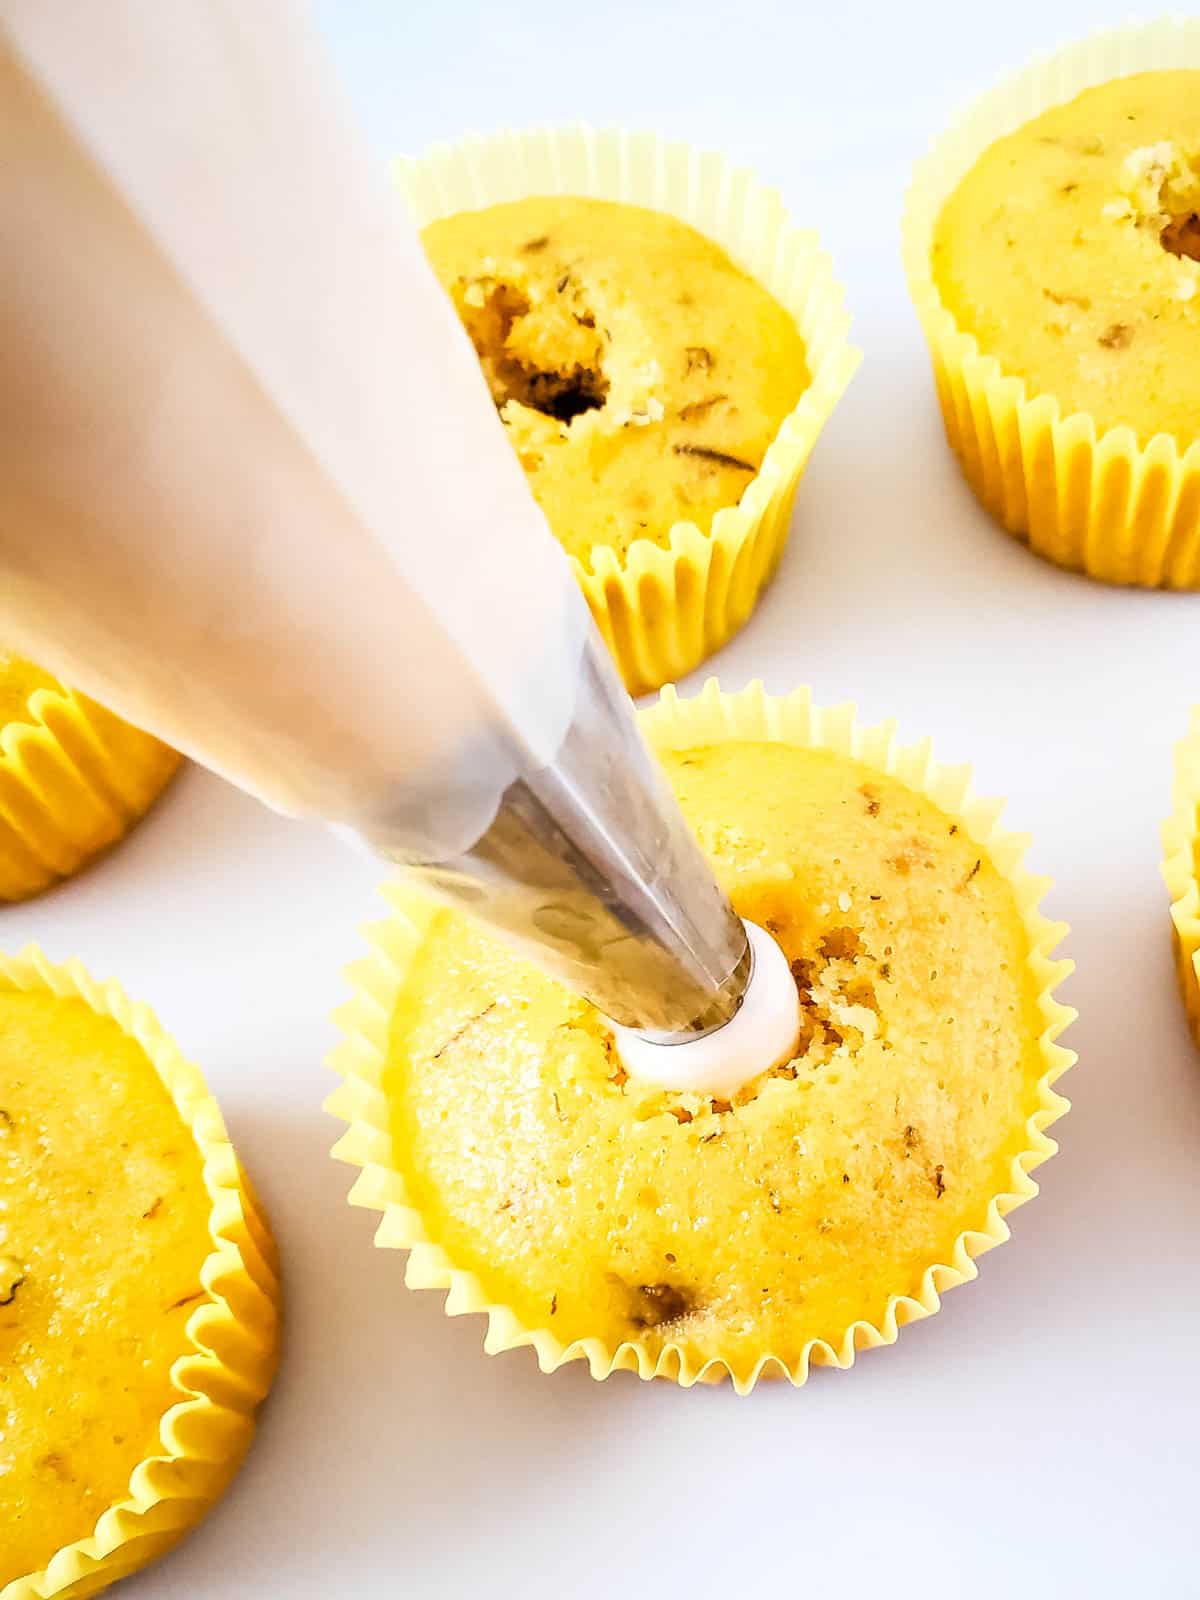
<point>599,1207</point>
<point>135,1277</point>
<point>639,373</point>
<point>1071,251</point>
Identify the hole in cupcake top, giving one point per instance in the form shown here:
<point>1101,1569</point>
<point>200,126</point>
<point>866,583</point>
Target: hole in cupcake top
<point>1161,187</point>
<point>1181,236</point>
<point>657,1305</point>
<point>542,352</point>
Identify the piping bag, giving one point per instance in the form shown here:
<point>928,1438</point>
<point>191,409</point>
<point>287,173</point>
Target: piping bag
<point>255,497</point>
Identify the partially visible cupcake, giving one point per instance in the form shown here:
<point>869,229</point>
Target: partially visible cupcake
<point>74,778</point>
<point>663,348</point>
<point>640,374</point>
<point>1052,244</point>
<point>831,1199</point>
<point>1181,869</point>
<point>139,1294</point>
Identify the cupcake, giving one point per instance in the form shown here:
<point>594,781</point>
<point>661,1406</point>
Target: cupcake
<point>74,778</point>
<point>138,1287</point>
<point>1181,870</point>
<point>663,349</point>
<point>1052,244</point>
<point>823,1205</point>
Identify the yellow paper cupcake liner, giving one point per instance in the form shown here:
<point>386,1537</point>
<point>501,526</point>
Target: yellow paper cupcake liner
<point>233,1331</point>
<point>74,779</point>
<point>664,610</point>
<point>1094,502</point>
<point>1181,842</point>
<point>377,981</point>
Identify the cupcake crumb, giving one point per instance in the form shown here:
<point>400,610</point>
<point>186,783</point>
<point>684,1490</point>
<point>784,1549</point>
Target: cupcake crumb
<point>839,1008</point>
<point>464,1027</point>
<point>720,458</point>
<point>840,944</point>
<point>1161,186</point>
<point>700,408</point>
<point>55,1463</point>
<point>541,356</point>
<point>1117,336</point>
<point>12,1276</point>
<point>1181,237</point>
<point>658,1304</point>
<point>602,365</point>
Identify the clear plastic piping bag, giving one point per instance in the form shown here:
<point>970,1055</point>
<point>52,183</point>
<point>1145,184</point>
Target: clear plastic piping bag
<point>255,497</point>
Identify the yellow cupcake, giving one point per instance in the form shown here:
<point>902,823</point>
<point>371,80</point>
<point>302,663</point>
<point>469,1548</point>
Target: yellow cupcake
<point>1071,250</point>
<point>138,1288</point>
<point>1055,262</point>
<point>831,1199</point>
<point>664,349</point>
<point>1181,869</point>
<point>74,778</point>
<point>641,376</point>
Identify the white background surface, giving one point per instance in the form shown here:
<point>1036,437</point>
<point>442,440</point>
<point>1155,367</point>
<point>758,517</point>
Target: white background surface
<point>1038,1437</point>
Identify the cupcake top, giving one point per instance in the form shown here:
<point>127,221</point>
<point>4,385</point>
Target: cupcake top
<point>596,1206</point>
<point>1071,250</point>
<point>641,375</point>
<point>104,1225</point>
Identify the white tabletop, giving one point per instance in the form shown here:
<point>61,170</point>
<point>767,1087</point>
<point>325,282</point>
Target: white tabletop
<point>1038,1437</point>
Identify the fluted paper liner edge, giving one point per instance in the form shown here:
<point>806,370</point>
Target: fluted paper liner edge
<point>74,778</point>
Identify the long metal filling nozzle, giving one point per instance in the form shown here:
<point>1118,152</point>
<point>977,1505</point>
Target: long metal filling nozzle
<point>590,865</point>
